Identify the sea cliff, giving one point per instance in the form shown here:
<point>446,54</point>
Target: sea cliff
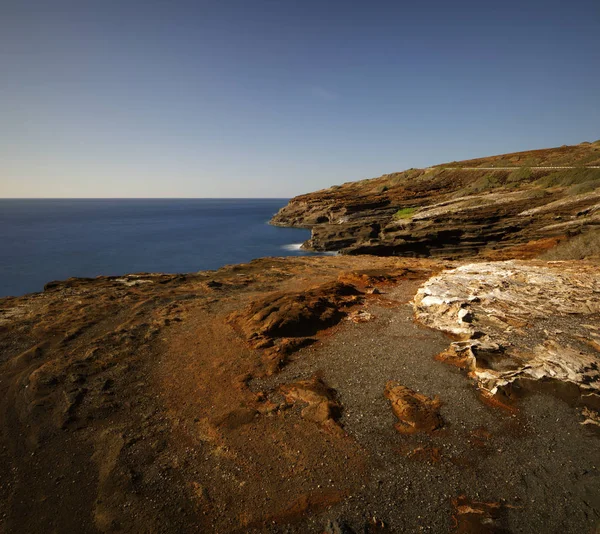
<point>510,206</point>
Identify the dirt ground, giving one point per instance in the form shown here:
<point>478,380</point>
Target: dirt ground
<point>147,404</point>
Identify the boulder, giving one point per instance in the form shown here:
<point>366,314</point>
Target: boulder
<point>415,412</point>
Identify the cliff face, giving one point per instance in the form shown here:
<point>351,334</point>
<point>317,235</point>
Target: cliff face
<point>489,207</point>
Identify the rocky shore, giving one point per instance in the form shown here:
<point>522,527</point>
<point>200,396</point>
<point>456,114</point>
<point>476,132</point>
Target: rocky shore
<point>457,392</point>
<point>460,210</point>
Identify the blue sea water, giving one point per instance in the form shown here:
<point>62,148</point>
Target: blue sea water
<point>54,239</point>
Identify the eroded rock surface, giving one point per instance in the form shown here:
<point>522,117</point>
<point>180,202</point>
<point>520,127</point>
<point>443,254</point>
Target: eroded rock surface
<point>283,322</point>
<point>299,314</point>
<point>131,404</point>
<point>458,210</point>
<point>516,319</point>
<point>415,412</point>
<point>319,401</point>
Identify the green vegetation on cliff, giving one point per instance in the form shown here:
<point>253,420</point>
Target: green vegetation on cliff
<point>468,208</point>
<point>404,213</point>
<point>583,154</point>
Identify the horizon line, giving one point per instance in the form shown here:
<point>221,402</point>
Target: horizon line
<point>145,198</point>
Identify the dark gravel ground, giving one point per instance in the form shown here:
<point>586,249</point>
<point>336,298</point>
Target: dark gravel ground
<point>537,461</point>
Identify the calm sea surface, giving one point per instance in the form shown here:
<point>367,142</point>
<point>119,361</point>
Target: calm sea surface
<point>43,240</point>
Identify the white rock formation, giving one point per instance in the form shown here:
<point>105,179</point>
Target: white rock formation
<point>518,319</point>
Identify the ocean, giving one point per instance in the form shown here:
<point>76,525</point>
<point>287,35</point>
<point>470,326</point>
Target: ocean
<point>54,239</point>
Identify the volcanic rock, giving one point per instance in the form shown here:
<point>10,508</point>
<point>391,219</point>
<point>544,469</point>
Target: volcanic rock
<point>320,400</point>
<point>457,210</point>
<point>478,517</point>
<point>415,412</point>
<point>517,319</point>
<point>282,323</point>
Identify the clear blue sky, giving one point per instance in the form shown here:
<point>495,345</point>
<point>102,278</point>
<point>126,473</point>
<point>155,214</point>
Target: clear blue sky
<point>257,98</point>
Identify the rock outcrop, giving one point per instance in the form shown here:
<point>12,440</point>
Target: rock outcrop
<point>473,516</point>
<point>281,323</point>
<point>519,320</point>
<point>457,210</point>
<point>415,412</point>
<point>319,401</point>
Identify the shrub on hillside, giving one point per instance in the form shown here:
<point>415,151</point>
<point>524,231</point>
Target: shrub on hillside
<point>582,246</point>
<point>483,183</point>
<point>568,177</point>
<point>404,213</point>
<point>519,175</point>
<point>584,187</point>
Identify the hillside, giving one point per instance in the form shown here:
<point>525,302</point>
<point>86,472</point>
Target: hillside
<point>583,154</point>
<point>459,209</point>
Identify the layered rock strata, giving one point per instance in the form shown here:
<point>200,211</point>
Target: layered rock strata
<point>456,210</point>
<point>516,319</point>
<point>453,227</point>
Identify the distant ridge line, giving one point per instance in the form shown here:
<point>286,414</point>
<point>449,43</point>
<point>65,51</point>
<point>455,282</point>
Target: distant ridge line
<point>515,167</point>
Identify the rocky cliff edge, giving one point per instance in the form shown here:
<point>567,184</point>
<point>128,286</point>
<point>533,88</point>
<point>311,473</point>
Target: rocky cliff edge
<point>511,206</point>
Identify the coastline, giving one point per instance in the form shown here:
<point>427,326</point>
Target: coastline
<point>434,369</point>
<point>46,240</point>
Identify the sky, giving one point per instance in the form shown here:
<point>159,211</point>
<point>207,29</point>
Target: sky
<point>257,98</point>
